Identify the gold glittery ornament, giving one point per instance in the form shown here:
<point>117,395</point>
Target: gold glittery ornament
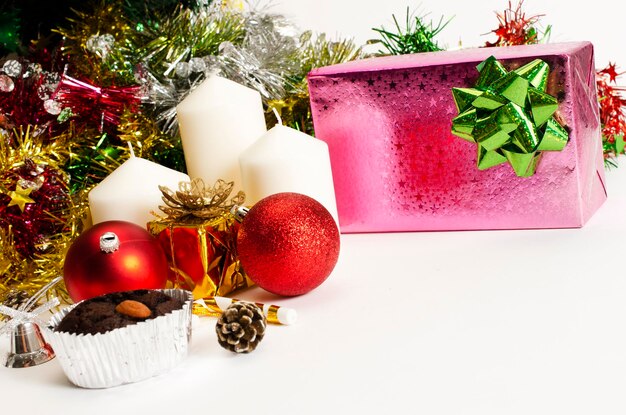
<point>199,221</point>
<point>195,202</point>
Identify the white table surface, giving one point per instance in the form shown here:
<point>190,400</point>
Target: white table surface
<point>499,322</point>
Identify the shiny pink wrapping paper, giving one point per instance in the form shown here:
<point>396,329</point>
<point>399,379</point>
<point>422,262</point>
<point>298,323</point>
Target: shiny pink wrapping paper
<point>397,167</point>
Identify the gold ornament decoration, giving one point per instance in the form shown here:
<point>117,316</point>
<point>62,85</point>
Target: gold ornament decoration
<point>20,197</point>
<point>198,237</point>
<point>195,202</point>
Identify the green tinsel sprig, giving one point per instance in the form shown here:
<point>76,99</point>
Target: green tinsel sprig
<point>417,36</point>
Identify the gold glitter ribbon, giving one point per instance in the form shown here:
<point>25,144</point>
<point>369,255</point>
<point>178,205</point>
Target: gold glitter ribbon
<point>214,307</point>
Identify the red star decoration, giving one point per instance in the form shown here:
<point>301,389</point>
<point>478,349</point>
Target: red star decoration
<point>611,71</point>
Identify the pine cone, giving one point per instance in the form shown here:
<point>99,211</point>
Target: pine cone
<point>241,327</point>
<point>15,298</point>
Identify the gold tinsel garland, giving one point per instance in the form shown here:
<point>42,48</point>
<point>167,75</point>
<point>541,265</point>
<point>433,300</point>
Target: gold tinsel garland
<point>100,44</point>
<point>23,147</point>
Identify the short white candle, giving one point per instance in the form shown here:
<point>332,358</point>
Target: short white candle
<point>131,192</point>
<point>287,160</point>
<point>217,121</point>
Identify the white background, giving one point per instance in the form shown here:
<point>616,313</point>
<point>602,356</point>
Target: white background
<point>454,323</point>
<point>439,323</point>
<point>600,22</point>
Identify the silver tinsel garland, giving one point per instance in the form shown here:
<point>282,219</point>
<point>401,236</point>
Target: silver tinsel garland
<point>264,60</point>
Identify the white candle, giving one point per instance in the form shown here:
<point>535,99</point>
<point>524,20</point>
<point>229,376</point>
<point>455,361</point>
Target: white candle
<point>287,160</point>
<point>217,121</point>
<point>131,192</point>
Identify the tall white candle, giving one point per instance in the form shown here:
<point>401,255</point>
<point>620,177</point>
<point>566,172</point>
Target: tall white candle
<point>131,192</point>
<point>217,121</point>
<point>287,160</point>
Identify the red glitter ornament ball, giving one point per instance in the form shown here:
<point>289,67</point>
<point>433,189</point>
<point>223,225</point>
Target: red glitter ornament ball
<point>114,256</point>
<point>288,243</point>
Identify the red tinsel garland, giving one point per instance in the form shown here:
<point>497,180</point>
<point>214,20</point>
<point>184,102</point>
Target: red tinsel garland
<point>515,28</point>
<point>612,106</point>
<point>98,105</point>
<point>23,95</point>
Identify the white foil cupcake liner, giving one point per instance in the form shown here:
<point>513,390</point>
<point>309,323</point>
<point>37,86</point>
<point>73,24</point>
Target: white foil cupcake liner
<point>124,355</point>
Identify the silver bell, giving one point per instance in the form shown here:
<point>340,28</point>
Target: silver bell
<point>28,347</point>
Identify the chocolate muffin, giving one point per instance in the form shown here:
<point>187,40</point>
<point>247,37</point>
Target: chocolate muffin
<point>121,337</point>
<point>112,311</point>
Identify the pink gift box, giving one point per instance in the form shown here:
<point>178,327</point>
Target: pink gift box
<point>397,167</point>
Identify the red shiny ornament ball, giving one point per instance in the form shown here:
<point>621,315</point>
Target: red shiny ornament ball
<point>94,266</point>
<point>288,243</point>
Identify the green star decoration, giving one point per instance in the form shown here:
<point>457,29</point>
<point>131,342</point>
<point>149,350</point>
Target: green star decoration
<point>509,116</point>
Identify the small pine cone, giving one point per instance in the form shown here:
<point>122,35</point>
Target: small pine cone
<point>241,327</point>
<point>15,298</point>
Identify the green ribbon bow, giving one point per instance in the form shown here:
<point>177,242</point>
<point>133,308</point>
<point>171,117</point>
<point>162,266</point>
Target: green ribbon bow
<point>509,116</point>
